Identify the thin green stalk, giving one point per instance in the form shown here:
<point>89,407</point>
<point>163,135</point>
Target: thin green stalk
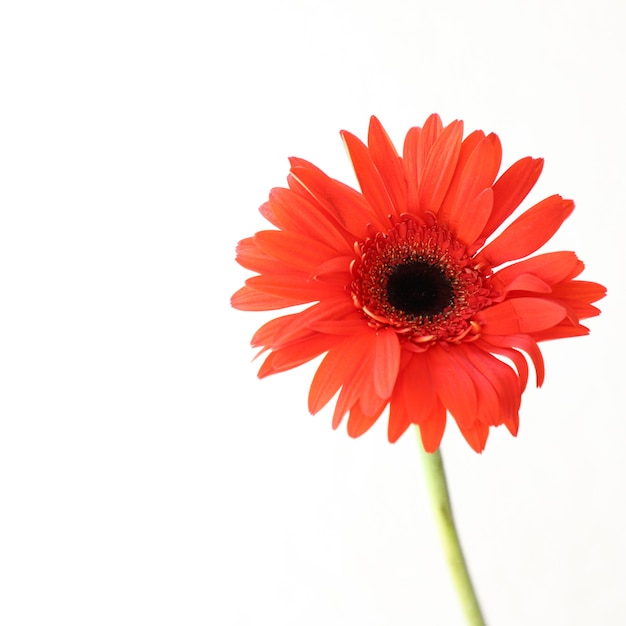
<point>440,500</point>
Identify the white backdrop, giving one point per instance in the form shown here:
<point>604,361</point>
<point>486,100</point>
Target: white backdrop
<point>146,475</point>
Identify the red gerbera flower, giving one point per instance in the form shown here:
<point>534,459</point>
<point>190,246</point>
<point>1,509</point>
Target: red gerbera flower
<point>408,303</point>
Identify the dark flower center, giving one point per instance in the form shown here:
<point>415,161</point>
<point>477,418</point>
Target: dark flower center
<point>420,289</point>
<point>419,279</point>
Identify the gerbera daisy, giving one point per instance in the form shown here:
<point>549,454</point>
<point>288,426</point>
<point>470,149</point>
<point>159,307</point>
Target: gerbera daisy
<point>406,298</point>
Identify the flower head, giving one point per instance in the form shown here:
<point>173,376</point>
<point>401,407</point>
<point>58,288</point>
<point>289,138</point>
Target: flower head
<point>415,303</point>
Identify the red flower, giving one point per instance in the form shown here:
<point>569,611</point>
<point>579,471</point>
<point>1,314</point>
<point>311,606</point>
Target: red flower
<point>408,305</point>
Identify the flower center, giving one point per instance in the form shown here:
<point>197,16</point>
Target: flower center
<point>418,288</point>
<point>419,279</point>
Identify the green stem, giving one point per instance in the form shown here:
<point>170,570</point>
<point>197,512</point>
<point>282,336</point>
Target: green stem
<point>440,500</point>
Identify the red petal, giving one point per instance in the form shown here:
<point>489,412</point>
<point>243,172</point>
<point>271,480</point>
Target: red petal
<point>345,401</point>
<point>577,310</point>
<point>399,421</point>
<point>417,389</point>
<point>409,160</point>
<point>426,140</point>
<point>301,325</point>
<point>582,290</point>
<point>246,299</point>
<point>417,147</point>
<point>528,232</point>
<point>295,287</point>
<point>512,424</point>
<point>508,346</point>
<point>475,434</point>
<point>298,162</point>
<point>301,215</point>
<point>335,269</point>
<point>439,167</point>
<point>336,368</point>
<point>265,336</point>
<point>561,331</point>
<point>467,148</point>
<point>470,222</point>
<point>498,386</point>
<point>360,421</point>
<point>399,416</point>
<point>386,362</point>
<point>345,204</point>
<point>414,398</point>
<point>348,326</point>
<point>510,189</point>
<point>379,372</point>
<point>295,354</point>
<point>369,400</point>
<point>266,211</point>
<point>388,163</point>
<point>370,180</point>
<point>477,174</point>
<point>520,315</point>
<point>431,430</point>
<point>360,379</point>
<point>250,256</point>
<point>528,282</point>
<point>453,384</point>
<point>298,251</point>
<point>551,267</point>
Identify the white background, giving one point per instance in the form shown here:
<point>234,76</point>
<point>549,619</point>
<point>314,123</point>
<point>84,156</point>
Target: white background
<point>146,475</point>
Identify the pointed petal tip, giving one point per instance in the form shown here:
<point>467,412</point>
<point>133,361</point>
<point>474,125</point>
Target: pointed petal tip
<point>430,447</point>
<point>392,437</point>
<point>346,135</point>
<point>397,425</point>
<point>431,433</point>
<point>531,230</point>
<point>432,119</point>
<point>475,434</point>
<point>512,425</point>
<point>337,418</point>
